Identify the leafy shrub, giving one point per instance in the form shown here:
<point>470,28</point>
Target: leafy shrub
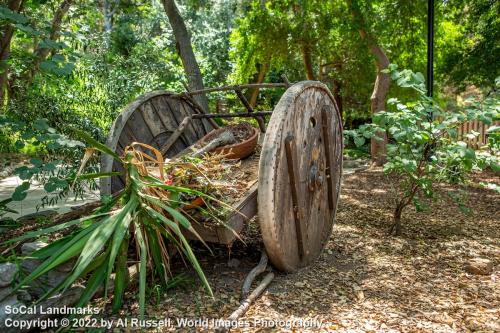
<point>144,217</point>
<point>55,174</point>
<point>424,148</point>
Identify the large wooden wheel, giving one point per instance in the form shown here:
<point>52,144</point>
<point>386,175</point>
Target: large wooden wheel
<point>299,175</point>
<point>150,119</point>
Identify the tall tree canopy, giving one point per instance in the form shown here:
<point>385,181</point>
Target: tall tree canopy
<point>104,53</point>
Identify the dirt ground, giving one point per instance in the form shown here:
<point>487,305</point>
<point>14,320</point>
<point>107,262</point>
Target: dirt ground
<point>364,281</point>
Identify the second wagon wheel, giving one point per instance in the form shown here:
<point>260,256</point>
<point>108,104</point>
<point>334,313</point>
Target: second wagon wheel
<point>299,175</point>
<point>150,119</point>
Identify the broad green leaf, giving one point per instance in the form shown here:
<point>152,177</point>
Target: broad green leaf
<point>71,249</point>
<point>142,269</point>
<point>28,29</point>
<point>7,14</point>
<point>359,141</point>
<point>121,276</point>
<point>92,285</point>
<point>96,144</point>
<point>41,124</point>
<point>46,231</point>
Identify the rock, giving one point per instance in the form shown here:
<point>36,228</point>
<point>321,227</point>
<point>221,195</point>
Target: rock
<point>9,301</point>
<point>42,215</point>
<point>66,267</point>
<point>4,292</point>
<point>7,273</point>
<point>48,280</point>
<point>479,266</point>
<point>29,248</point>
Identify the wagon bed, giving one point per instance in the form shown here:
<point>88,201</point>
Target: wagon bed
<point>299,166</point>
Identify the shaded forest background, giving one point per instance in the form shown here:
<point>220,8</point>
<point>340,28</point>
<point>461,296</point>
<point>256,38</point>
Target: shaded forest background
<point>81,62</point>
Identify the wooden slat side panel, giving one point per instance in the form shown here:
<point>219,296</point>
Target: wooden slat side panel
<point>150,119</point>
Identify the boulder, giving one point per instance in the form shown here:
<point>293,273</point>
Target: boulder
<point>479,266</point>
<point>8,272</point>
<point>29,248</point>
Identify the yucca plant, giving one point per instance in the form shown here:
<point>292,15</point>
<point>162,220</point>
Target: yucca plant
<point>144,217</point>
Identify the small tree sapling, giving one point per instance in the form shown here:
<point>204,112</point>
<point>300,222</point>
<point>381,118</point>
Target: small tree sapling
<point>424,147</point>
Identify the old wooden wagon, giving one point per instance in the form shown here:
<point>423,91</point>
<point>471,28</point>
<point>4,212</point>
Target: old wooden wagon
<point>299,167</point>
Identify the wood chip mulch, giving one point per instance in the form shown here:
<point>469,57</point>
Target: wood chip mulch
<point>365,281</point>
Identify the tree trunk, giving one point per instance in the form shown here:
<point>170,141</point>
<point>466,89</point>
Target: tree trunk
<point>109,10</point>
<point>324,76</point>
<point>185,50</point>
<point>382,82</point>
<point>337,89</point>
<point>7,32</point>
<point>395,229</point>
<point>263,68</point>
<point>307,58</point>
<point>41,54</point>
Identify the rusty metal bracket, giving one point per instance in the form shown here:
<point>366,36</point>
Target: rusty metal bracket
<point>326,142</point>
<point>232,115</point>
<point>249,108</point>
<point>289,140</point>
<point>188,97</point>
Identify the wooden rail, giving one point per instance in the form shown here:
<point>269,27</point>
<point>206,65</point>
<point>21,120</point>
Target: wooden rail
<point>236,88</point>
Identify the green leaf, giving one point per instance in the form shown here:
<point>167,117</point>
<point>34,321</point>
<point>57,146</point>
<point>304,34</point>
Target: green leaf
<point>122,227</point>
<point>50,44</point>
<point>142,269</point>
<point>7,14</point>
<point>96,144</point>
<point>36,162</point>
<point>95,243</point>
<point>359,141</point>
<point>50,187</point>
<point>177,216</point>
<point>121,276</point>
<point>92,285</point>
<point>50,166</point>
<point>47,251</point>
<point>58,227</point>
<point>27,29</point>
<point>41,124</point>
<point>19,144</point>
<point>419,77</point>
<point>20,192</point>
<point>19,196</point>
<point>99,175</point>
<point>156,252</point>
<point>71,249</point>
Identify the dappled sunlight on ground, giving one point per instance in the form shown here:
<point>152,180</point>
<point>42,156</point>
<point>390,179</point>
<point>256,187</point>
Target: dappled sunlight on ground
<point>365,280</point>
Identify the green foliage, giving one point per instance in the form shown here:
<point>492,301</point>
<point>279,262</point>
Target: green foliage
<point>57,174</point>
<point>423,149</point>
<point>102,241</point>
<point>471,30</point>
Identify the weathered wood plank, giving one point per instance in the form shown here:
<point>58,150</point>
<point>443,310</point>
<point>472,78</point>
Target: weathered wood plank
<point>245,209</point>
<point>150,119</point>
<point>298,113</point>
